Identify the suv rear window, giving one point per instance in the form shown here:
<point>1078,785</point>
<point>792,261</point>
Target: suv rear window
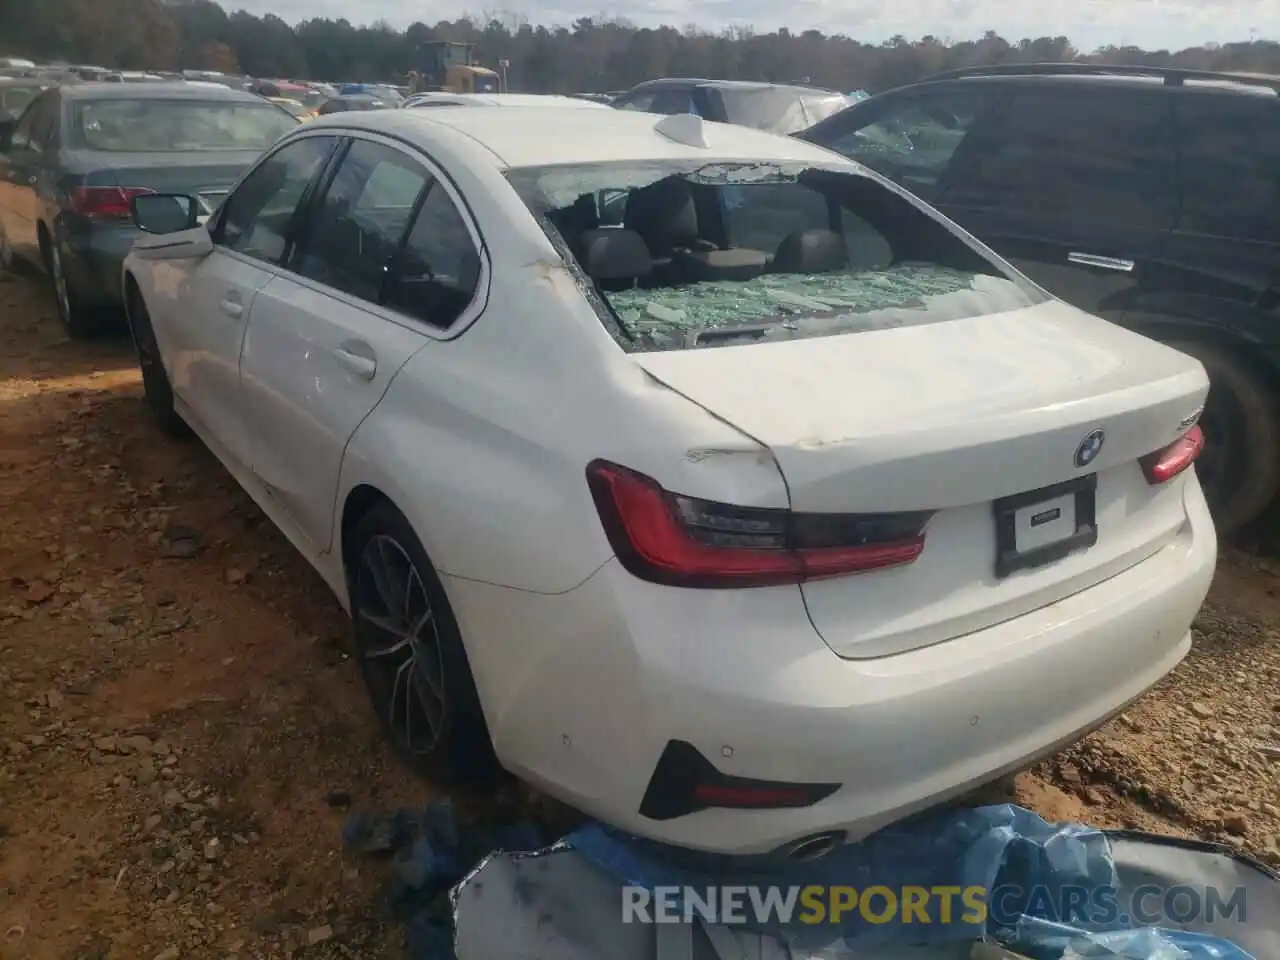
<point>1230,164</point>
<point>697,254</point>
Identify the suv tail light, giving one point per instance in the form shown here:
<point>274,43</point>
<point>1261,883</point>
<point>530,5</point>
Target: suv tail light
<point>680,541</point>
<point>105,203</point>
<point>1163,465</point>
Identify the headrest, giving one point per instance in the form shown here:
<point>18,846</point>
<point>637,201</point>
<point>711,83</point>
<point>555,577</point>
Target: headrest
<point>811,251</point>
<point>611,253</point>
<point>663,212</point>
<point>578,216</point>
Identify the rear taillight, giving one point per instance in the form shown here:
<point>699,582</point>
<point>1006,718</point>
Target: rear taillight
<point>105,203</point>
<point>1163,465</point>
<point>680,541</point>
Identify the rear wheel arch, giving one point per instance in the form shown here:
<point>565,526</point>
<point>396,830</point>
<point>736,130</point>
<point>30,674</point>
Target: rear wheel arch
<point>468,757</point>
<point>359,501</point>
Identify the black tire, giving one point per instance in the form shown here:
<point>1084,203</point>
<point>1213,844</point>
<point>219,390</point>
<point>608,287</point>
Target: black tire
<point>424,679</point>
<point>157,391</point>
<point>81,320</point>
<point>1240,465</point>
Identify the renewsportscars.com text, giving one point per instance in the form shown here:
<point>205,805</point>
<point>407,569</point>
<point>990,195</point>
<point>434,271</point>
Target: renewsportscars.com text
<point>1149,905</point>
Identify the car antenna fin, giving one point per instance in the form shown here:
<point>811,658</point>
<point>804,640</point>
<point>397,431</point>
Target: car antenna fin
<point>684,128</point>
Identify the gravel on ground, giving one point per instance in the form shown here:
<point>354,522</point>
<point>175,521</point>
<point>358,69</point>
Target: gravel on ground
<point>178,708</point>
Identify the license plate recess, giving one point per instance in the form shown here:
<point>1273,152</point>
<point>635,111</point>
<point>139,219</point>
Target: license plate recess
<point>1043,526</point>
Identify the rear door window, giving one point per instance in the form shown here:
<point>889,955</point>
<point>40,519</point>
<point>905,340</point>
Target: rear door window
<point>437,271</point>
<point>1083,155</point>
<point>1230,164</point>
<point>358,224</point>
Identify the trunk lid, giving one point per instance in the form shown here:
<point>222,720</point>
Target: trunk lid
<point>207,176</point>
<point>950,417</point>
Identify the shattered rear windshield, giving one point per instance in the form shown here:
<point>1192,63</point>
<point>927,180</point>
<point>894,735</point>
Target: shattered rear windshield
<point>686,255</point>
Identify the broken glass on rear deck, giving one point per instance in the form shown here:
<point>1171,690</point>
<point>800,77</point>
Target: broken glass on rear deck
<point>787,306</point>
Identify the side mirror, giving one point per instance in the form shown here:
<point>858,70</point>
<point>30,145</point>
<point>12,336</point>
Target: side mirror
<point>165,212</point>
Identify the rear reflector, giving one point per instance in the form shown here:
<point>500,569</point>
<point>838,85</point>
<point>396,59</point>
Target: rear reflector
<point>1163,465</point>
<point>680,541</point>
<point>105,203</point>
<point>684,782</point>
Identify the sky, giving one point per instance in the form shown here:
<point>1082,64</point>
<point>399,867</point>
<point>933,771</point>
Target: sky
<point>1152,24</point>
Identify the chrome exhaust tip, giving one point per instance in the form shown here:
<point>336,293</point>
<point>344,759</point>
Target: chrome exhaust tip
<point>811,848</point>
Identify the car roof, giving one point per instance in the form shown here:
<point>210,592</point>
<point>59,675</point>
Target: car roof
<point>1256,84</point>
<point>544,136</point>
<point>161,90</point>
<point>509,100</point>
<point>729,85</point>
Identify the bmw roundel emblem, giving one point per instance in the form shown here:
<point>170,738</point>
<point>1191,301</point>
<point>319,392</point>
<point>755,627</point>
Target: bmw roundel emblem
<point>1089,448</point>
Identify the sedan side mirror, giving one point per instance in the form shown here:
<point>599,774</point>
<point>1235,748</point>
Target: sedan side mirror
<point>165,212</point>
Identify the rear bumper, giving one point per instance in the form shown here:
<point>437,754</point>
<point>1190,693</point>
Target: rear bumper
<point>92,257</point>
<point>584,690</point>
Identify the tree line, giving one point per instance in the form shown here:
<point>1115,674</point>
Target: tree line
<point>587,55</point>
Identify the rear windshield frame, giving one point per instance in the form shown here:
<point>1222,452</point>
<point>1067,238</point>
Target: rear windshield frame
<point>78,140</point>
<point>893,202</point>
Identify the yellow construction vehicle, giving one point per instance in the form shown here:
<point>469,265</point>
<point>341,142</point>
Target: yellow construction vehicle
<point>449,66</point>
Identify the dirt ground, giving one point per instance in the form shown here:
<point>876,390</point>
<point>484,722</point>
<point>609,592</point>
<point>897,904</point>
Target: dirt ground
<point>179,720</point>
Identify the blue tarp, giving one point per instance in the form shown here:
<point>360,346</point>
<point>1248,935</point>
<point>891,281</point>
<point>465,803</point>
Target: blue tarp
<point>1029,869</point>
<point>1032,872</point>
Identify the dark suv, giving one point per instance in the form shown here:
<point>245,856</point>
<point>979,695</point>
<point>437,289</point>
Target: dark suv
<point>1147,196</point>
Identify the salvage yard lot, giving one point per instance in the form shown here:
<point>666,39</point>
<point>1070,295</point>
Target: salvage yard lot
<point>181,728</point>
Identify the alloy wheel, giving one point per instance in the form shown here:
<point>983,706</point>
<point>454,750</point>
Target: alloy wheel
<point>401,654</point>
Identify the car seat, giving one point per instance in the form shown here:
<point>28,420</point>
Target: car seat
<point>811,251</point>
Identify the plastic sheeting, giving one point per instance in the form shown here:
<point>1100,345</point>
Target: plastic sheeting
<point>1034,873</point>
<point>564,901</point>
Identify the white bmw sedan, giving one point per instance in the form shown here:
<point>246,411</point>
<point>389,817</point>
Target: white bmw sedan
<point>697,475</point>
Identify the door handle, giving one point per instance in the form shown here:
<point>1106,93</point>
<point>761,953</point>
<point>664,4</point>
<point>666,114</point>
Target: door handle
<point>1101,263</point>
<point>363,367</point>
<point>231,308</point>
